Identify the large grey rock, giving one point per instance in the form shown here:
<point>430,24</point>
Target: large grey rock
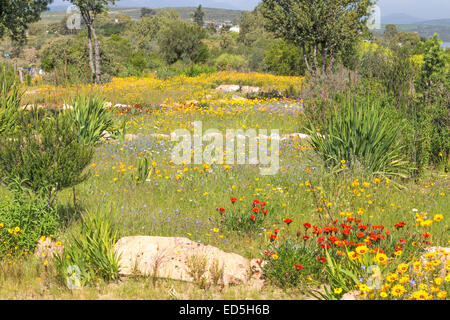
<point>175,258</point>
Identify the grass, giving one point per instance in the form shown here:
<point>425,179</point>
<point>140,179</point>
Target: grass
<point>182,200</point>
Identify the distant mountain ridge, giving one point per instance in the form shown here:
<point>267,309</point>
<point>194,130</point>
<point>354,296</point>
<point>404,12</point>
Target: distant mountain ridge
<point>401,18</point>
<point>59,5</point>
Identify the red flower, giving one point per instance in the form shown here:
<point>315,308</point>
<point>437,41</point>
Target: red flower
<point>298,267</point>
<point>321,259</point>
<point>221,210</point>
<point>325,246</point>
<point>264,211</point>
<point>307,225</point>
<point>252,217</point>
<point>399,225</point>
<point>255,210</point>
<point>276,231</point>
<point>306,237</point>
<point>287,221</point>
<point>402,241</point>
<point>426,235</point>
<point>273,237</point>
<point>360,235</point>
<point>233,199</point>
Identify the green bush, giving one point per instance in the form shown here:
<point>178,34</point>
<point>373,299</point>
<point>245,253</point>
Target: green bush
<point>284,58</point>
<point>228,61</point>
<point>288,264</point>
<point>363,134</point>
<point>196,70</point>
<point>44,154</point>
<point>90,119</point>
<point>10,98</point>
<point>23,220</point>
<point>91,252</point>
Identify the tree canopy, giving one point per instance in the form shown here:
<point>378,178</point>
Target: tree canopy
<point>318,27</point>
<point>15,15</point>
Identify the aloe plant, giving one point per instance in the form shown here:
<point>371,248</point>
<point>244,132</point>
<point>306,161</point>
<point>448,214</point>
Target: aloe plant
<point>91,119</point>
<point>362,134</point>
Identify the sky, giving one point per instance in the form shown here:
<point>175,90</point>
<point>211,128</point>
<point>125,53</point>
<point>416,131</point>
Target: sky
<point>424,9</point>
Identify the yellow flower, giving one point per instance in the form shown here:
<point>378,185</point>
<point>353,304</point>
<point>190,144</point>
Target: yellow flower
<point>381,258</point>
<point>361,250</point>
<point>421,295</point>
<point>442,294</point>
<point>397,290</point>
<point>338,290</point>
<point>417,265</point>
<point>216,230</point>
<point>438,281</point>
<point>402,268</point>
<point>383,294</point>
<point>438,217</point>
<point>391,277</point>
<point>275,257</point>
<point>1,225</point>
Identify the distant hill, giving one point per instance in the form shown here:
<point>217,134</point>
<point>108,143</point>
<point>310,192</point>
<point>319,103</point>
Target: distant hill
<point>400,18</point>
<point>437,22</point>
<point>211,14</point>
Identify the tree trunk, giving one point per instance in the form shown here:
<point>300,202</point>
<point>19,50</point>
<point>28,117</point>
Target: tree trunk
<point>91,54</point>
<point>305,56</point>
<point>97,56</point>
<point>324,52</point>
<point>315,57</point>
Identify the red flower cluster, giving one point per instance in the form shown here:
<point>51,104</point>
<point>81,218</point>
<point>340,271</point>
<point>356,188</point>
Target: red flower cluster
<point>400,225</point>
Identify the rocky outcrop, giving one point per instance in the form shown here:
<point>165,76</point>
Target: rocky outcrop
<point>180,259</point>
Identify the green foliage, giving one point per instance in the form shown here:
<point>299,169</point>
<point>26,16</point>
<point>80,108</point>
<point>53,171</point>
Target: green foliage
<point>198,16</point>
<point>294,261</point>
<point>91,120</point>
<point>91,251</point>
<point>320,28</point>
<point>45,154</point>
<point>10,97</point>
<point>144,169</point>
<point>228,61</point>
<point>339,276</point>
<point>182,40</point>
<point>196,70</point>
<point>363,134</point>
<point>16,15</point>
<point>23,220</point>
<point>283,58</point>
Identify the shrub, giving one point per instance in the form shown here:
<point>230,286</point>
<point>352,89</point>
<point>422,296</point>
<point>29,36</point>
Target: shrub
<point>284,58</point>
<point>45,155</point>
<point>90,119</point>
<point>247,220</point>
<point>288,264</point>
<point>228,61</point>
<point>196,70</point>
<point>362,133</point>
<point>10,97</point>
<point>23,220</point>
<point>91,252</point>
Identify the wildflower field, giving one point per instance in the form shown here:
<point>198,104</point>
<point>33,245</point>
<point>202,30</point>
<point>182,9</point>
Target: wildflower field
<point>317,232</point>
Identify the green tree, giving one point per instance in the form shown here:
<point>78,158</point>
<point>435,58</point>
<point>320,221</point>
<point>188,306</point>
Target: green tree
<point>89,10</point>
<point>283,58</point>
<point>182,40</point>
<point>198,16</point>
<point>15,15</point>
<point>146,12</point>
<point>390,32</point>
<point>317,27</point>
